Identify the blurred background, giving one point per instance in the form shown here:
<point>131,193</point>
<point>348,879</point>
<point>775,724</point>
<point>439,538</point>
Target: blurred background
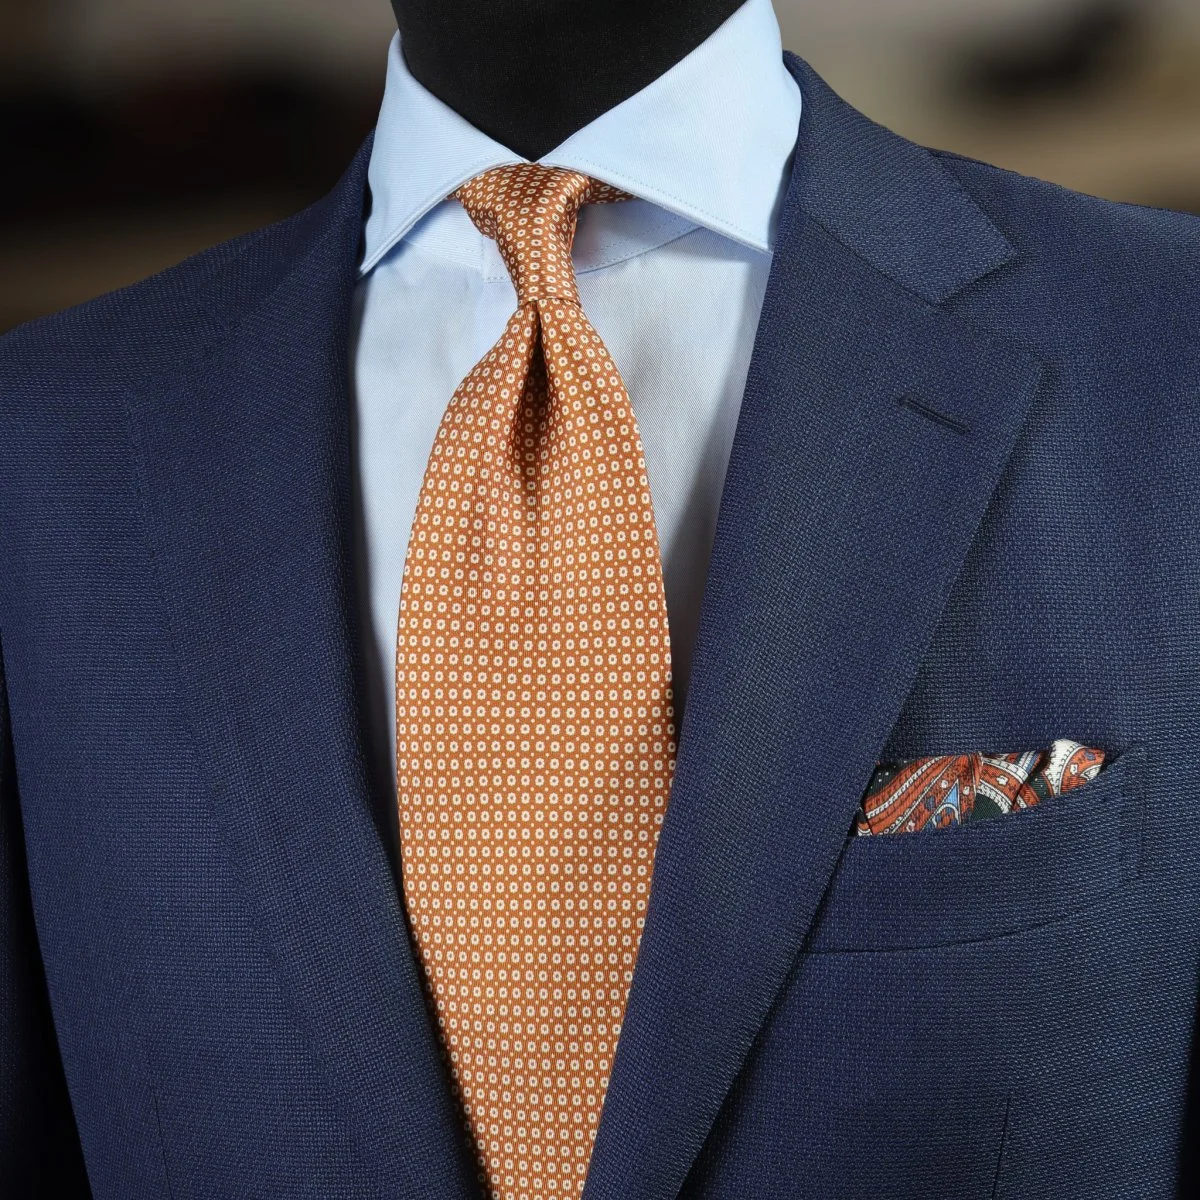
<point>134,132</point>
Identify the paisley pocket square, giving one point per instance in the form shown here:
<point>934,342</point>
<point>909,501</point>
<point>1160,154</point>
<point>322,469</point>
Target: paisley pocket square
<point>956,789</point>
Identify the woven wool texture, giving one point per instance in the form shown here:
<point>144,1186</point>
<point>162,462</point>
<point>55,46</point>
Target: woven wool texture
<point>534,722</point>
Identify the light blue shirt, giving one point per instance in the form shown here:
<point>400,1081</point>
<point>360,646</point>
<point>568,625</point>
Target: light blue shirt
<point>673,281</point>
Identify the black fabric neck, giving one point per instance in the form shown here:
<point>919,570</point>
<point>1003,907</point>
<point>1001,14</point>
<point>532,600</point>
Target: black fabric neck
<point>529,73</point>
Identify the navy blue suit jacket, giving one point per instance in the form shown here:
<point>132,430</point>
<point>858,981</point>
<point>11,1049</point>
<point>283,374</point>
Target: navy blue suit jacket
<point>961,513</point>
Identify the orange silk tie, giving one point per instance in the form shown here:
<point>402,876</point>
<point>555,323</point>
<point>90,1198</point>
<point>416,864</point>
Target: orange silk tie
<point>534,723</point>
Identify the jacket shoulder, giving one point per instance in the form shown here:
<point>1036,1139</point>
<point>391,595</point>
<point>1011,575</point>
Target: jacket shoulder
<point>122,333</point>
<point>1106,291</point>
<point>150,328</point>
<point>1093,239</point>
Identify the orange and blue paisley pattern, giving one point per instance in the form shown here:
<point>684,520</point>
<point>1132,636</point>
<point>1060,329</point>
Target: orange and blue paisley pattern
<point>954,789</point>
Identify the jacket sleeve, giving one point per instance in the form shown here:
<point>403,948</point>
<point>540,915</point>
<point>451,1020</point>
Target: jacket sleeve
<point>39,1147</point>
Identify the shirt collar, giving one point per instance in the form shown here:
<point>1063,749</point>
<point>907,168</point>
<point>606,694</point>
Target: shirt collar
<point>710,140</point>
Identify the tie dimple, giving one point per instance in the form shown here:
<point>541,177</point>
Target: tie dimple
<point>534,716</point>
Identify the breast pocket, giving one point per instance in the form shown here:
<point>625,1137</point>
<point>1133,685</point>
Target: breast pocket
<point>991,878</point>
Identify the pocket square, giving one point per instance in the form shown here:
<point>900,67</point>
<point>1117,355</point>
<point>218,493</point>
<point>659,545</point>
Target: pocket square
<point>955,789</point>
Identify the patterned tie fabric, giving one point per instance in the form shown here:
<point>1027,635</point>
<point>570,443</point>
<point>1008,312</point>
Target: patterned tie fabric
<point>534,721</point>
<point>955,789</point>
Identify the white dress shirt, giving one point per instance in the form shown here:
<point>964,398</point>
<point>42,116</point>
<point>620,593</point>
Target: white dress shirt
<point>673,281</point>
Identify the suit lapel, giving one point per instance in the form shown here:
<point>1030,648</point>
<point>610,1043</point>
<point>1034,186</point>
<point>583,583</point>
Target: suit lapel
<point>247,490</point>
<point>873,431</point>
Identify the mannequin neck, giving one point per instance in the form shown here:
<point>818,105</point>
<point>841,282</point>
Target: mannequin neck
<point>529,73</point>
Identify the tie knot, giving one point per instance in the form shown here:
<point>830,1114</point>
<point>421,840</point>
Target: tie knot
<point>531,211</point>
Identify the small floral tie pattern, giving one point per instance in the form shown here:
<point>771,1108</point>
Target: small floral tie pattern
<point>535,740</point>
<point>955,789</point>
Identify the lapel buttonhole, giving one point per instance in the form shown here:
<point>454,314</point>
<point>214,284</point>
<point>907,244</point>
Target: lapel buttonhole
<point>932,414</point>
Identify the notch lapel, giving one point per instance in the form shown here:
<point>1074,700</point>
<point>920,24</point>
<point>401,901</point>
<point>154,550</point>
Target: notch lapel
<point>873,430</point>
<point>247,485</point>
